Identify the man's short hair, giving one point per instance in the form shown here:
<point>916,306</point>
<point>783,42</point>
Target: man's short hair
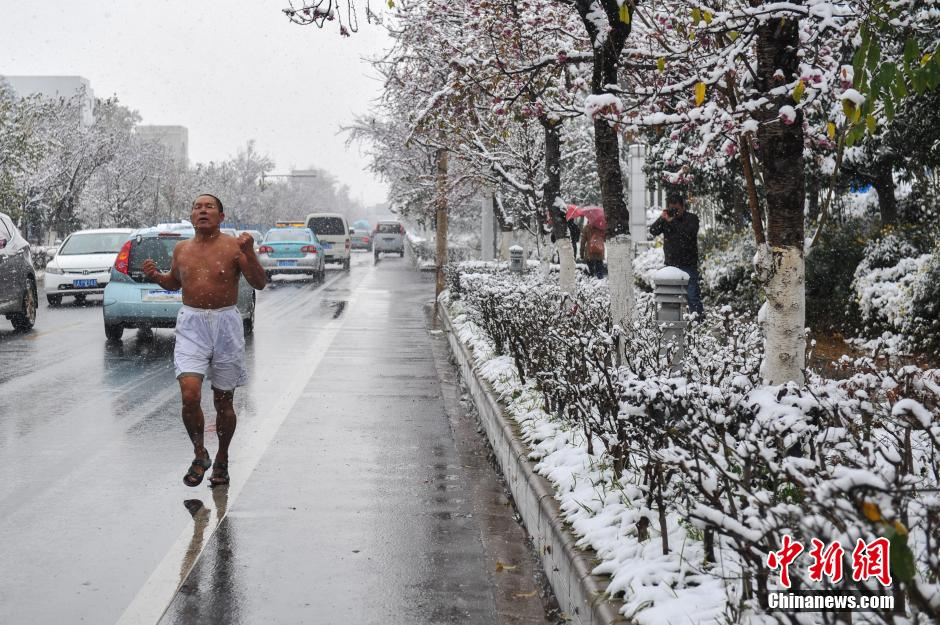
<point>675,198</point>
<point>217,200</point>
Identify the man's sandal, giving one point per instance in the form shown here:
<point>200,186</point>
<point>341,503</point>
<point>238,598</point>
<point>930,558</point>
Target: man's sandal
<point>222,479</point>
<point>193,477</point>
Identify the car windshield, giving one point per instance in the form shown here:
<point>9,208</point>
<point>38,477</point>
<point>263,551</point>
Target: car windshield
<point>327,225</point>
<point>361,224</point>
<point>160,249</point>
<point>390,228</point>
<point>93,243</point>
<point>281,236</point>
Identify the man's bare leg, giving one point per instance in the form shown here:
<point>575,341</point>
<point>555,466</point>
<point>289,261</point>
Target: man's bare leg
<point>194,421</point>
<point>225,422</point>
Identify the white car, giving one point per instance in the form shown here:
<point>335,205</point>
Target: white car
<point>82,264</point>
<point>334,233</point>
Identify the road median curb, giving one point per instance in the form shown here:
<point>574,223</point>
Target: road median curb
<point>581,595</point>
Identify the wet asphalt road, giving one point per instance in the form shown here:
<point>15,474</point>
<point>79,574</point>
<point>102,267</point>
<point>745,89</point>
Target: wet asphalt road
<point>350,500</point>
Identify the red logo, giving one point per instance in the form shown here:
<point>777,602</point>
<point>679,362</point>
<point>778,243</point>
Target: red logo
<point>783,558</point>
<point>871,560</point>
<point>827,561</point>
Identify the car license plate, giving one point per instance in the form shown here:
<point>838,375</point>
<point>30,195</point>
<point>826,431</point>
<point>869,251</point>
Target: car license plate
<point>84,284</point>
<point>163,296</point>
<point>287,263</point>
<point>327,246</point>
<point>388,239</point>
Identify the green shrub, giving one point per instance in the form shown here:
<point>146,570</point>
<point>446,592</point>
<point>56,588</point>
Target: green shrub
<point>830,268</point>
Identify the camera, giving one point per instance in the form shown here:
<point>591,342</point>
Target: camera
<point>672,211</point>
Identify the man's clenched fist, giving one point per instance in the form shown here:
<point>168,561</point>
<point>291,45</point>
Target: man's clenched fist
<point>150,268</point>
<point>246,242</point>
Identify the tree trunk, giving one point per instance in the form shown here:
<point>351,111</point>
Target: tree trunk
<point>883,181</point>
<point>555,207</point>
<point>441,219</point>
<point>782,262</point>
<point>607,47</point>
<point>505,242</point>
<point>505,232</point>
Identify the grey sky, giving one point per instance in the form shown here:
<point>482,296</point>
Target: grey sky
<point>229,70</point>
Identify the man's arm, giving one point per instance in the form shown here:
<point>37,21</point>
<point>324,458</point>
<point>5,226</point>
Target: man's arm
<point>248,262</point>
<point>169,281</point>
<point>661,225</point>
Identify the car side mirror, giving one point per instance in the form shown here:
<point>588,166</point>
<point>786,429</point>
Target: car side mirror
<point>352,231</point>
<point>3,243</point>
<point>51,252</point>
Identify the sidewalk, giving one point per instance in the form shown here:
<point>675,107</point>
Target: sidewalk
<point>358,510</point>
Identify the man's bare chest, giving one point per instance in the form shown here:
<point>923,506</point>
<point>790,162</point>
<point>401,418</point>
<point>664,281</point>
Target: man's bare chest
<point>212,265</point>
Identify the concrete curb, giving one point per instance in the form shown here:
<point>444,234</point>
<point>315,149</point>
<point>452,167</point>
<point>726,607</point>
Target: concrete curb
<point>580,594</point>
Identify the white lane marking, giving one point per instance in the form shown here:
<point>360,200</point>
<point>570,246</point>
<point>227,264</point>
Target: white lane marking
<point>155,596</point>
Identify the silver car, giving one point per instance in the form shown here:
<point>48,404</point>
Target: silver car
<point>388,238</point>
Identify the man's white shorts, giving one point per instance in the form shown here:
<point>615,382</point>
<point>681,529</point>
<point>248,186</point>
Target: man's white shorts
<point>211,343</point>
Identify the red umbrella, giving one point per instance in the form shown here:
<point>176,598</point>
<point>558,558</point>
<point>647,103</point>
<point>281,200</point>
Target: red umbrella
<point>594,214</point>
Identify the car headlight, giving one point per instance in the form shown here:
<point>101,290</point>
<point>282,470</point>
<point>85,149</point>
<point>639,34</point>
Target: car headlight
<point>53,269</point>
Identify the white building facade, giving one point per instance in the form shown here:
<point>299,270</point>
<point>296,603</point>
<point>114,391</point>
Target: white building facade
<point>174,138</point>
<point>58,87</point>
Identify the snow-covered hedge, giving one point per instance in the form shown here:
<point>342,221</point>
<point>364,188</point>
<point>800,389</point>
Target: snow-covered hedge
<point>897,286</point>
<point>424,250</point>
<point>684,472</point>
<point>646,263</point>
<point>40,255</point>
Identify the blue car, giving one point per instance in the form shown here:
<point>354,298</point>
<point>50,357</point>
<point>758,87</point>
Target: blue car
<point>132,301</point>
<point>292,251</point>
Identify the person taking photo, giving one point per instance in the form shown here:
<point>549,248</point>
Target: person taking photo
<point>679,228</point>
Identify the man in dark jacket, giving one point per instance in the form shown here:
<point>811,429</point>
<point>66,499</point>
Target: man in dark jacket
<point>680,245</point>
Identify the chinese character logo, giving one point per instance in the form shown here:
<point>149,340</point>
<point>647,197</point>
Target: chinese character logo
<point>783,558</point>
<point>869,560</point>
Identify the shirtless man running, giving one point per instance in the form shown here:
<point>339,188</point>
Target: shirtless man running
<point>210,339</point>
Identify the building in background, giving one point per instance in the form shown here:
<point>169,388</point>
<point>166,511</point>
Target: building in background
<point>174,138</point>
<point>55,87</point>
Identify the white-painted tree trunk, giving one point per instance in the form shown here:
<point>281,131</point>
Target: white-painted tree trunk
<point>783,315</point>
<point>620,279</point>
<point>505,242</point>
<point>566,273</point>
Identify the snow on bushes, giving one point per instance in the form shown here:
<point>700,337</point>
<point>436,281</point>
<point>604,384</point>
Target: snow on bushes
<point>727,272</point>
<point>896,286</point>
<point>684,472</point>
<point>646,263</point>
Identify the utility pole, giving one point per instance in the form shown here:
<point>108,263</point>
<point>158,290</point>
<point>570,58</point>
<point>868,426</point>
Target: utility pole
<point>441,256</point>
